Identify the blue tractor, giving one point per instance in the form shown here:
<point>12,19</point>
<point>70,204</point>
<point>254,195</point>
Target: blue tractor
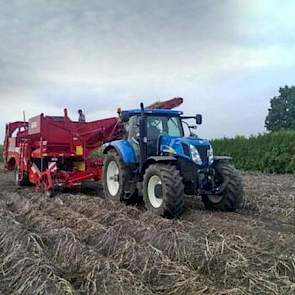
<point>156,161</point>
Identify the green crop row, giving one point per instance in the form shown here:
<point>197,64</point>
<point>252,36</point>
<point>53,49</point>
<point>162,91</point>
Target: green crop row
<point>270,152</point>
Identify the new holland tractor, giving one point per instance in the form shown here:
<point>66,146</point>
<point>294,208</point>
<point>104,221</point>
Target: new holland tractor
<point>155,160</point>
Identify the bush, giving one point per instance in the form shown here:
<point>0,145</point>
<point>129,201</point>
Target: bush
<point>271,152</point>
<point>1,153</point>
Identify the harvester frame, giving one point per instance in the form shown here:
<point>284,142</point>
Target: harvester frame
<point>53,152</point>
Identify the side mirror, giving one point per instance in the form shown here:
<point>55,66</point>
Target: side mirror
<point>199,119</point>
<point>124,116</point>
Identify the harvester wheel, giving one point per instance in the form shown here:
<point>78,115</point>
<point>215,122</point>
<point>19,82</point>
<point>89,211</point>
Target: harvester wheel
<point>21,178</point>
<point>232,197</point>
<point>117,182</point>
<point>163,190</point>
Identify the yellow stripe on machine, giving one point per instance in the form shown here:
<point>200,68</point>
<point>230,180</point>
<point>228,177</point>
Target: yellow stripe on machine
<point>79,150</point>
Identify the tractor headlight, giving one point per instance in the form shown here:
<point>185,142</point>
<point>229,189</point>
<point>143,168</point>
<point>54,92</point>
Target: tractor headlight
<point>195,155</point>
<point>210,155</point>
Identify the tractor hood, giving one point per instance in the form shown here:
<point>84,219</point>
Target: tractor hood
<point>190,148</point>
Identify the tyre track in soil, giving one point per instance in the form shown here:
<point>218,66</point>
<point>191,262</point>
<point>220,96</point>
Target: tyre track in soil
<point>65,253</point>
<point>40,228</point>
<point>24,267</point>
<point>53,211</point>
<point>238,234</point>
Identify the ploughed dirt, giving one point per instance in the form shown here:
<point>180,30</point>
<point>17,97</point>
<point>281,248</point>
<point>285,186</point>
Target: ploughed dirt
<point>82,244</point>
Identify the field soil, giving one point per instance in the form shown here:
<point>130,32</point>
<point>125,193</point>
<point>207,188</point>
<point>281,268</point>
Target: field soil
<point>79,243</point>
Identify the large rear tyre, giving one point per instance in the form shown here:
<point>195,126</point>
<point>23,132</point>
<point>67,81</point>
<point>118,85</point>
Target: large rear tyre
<point>21,178</point>
<point>163,190</point>
<point>232,197</point>
<point>117,179</point>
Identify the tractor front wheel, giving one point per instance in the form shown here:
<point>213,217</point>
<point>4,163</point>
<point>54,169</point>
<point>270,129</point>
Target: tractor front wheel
<point>232,197</point>
<point>118,184</point>
<point>163,190</point>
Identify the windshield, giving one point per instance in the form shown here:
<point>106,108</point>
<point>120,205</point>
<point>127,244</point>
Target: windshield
<point>157,125</point>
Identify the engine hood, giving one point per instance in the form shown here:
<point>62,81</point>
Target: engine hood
<point>181,145</point>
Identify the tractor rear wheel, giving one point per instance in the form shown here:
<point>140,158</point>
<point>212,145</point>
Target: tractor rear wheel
<point>163,190</point>
<point>21,178</point>
<point>232,197</point>
<point>117,184</point>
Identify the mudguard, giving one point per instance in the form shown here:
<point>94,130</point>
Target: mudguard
<point>157,159</point>
<point>124,149</point>
<point>222,158</point>
<point>161,159</point>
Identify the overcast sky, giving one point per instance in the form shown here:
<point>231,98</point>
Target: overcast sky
<point>227,58</point>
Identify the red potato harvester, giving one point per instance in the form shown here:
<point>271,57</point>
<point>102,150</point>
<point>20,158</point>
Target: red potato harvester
<point>54,152</point>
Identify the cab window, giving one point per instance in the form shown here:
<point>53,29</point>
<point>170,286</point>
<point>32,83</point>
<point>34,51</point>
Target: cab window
<point>174,127</point>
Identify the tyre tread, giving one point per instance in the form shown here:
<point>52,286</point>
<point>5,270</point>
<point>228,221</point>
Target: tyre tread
<point>233,197</point>
<point>174,190</point>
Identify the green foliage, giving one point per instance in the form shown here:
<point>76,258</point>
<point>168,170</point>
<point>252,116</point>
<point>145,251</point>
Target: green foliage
<point>97,154</point>
<point>1,153</point>
<point>273,152</point>
<point>1,159</point>
<point>281,114</point>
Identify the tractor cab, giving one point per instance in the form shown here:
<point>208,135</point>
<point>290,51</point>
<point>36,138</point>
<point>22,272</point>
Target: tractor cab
<point>160,132</point>
<point>159,123</point>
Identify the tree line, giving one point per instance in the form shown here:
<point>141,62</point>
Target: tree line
<point>272,152</point>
